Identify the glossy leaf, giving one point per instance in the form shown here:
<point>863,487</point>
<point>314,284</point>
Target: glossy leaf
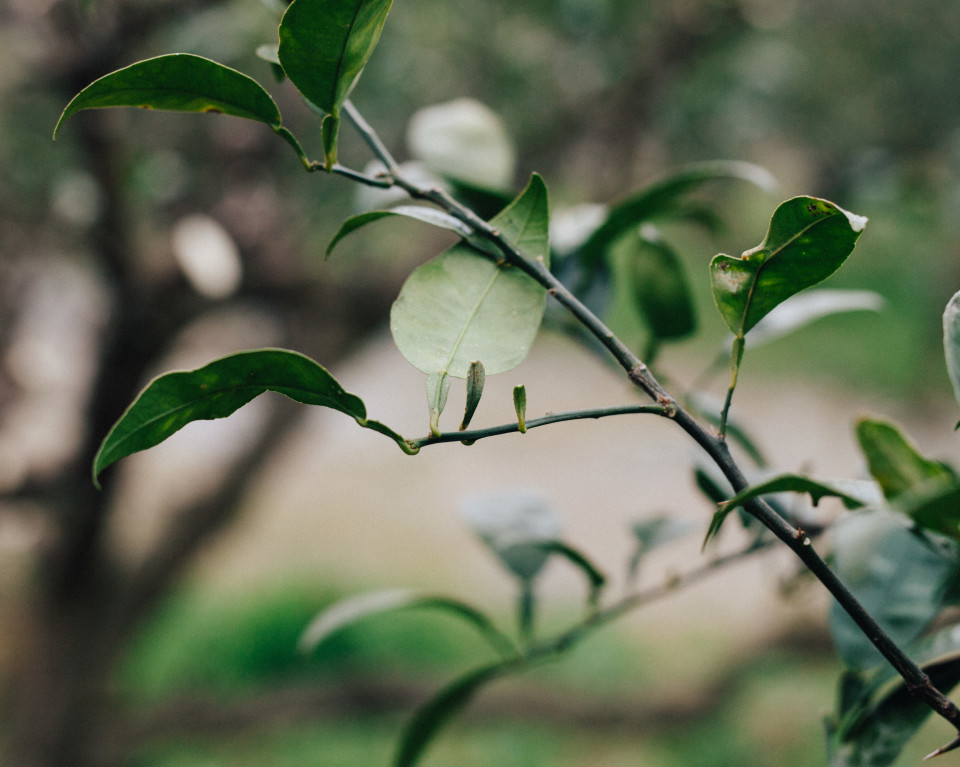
<point>852,493</point>
<point>802,309</point>
<point>352,610</point>
<point>659,283</point>
<point>462,307</point>
<point>895,462</point>
<point>178,82</point>
<point>324,46</point>
<point>899,576</point>
<point>217,390</point>
<point>430,216</point>
<point>476,377</point>
<point>429,719</point>
<point>808,240</point>
<point>664,198</point>
<point>951,343</point>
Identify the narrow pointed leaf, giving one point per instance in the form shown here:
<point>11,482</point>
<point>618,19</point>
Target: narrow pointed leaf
<point>852,493</point>
<point>179,82</point>
<point>217,390</point>
<point>951,342</point>
<point>417,212</point>
<point>324,46</point>
<point>462,306</point>
<point>665,198</point>
<point>520,405</point>
<point>894,462</point>
<point>431,718</point>
<point>438,389</point>
<point>808,240</point>
<point>352,610</point>
<point>475,380</point>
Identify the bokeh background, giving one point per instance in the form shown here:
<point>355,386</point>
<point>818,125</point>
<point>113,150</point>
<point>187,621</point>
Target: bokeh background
<point>155,622</point>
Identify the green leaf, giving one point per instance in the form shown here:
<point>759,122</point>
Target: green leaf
<point>347,612</point>
<point>802,309</point>
<point>430,718</point>
<point>324,46</point>
<point>664,198</point>
<point>438,388</point>
<point>852,493</point>
<point>520,406</point>
<point>900,577</point>
<point>419,213</point>
<point>659,283</point>
<point>653,533</point>
<point>808,240</point>
<point>894,461</point>
<point>475,380</point>
<point>951,342</point>
<point>935,507</point>
<point>179,82</point>
<point>460,306</point>
<point>217,390</point>
<point>595,579</point>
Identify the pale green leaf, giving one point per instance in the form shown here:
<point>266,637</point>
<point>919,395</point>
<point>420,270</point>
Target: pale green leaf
<point>951,342</point>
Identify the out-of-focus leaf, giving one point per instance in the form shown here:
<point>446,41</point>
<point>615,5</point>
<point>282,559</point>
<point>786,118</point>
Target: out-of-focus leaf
<point>802,309</point>
<point>462,307</point>
<point>951,343</point>
<point>808,240</point>
<point>352,610</point>
<point>659,283</point>
<point>664,198</point>
<point>324,46</point>
<point>475,380</point>
<point>895,462</point>
<point>179,82</point>
<point>463,140</point>
<point>852,493</point>
<point>422,213</point>
<point>513,524</point>
<point>595,579</point>
<point>899,576</point>
<point>429,719</point>
<point>217,390</point>
<point>659,531</point>
<point>935,507</point>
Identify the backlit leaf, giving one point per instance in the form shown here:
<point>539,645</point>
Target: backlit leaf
<point>894,462</point>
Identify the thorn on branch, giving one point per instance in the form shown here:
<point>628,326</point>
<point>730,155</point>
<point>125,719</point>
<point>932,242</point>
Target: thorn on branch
<point>953,744</point>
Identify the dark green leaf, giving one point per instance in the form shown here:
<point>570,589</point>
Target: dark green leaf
<point>178,82</point>
<point>520,406</point>
<point>664,198</point>
<point>324,46</point>
<point>462,307</point>
<point>429,719</point>
<point>659,283</point>
<point>852,493</point>
<point>899,576</point>
<point>475,380</point>
<point>173,400</point>
<point>894,462</point>
<point>808,240</point>
<point>951,342</point>
<point>349,611</point>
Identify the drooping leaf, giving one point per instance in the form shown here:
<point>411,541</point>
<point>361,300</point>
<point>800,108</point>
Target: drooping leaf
<point>895,462</point>
<point>899,576</point>
<point>808,240</point>
<point>520,406</point>
<point>462,306</point>
<point>217,390</point>
<point>324,46</point>
<point>951,343</point>
<point>430,216</point>
<point>179,82</point>
<point>475,380</point>
<point>659,283</point>
<point>595,579</point>
<point>664,198</point>
<point>852,493</point>
<point>430,718</point>
<point>352,610</point>
<point>800,310</point>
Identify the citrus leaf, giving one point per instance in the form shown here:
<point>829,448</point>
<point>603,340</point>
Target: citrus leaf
<point>347,612</point>
<point>217,390</point>
<point>852,493</point>
<point>452,699</point>
<point>595,579</point>
<point>179,82</point>
<point>808,240</point>
<point>475,381</point>
<point>520,406</point>
<point>951,342</point>
<point>324,46</point>
<point>461,306</point>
